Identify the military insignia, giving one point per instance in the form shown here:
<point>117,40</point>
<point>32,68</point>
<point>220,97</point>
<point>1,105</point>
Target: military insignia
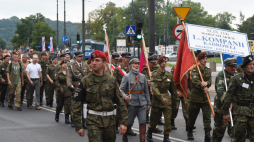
<point>3,69</point>
<point>194,70</point>
<point>94,55</point>
<point>194,76</point>
<point>250,58</point>
<point>168,80</point>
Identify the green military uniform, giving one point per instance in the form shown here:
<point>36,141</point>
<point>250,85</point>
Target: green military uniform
<point>51,87</point>
<point>239,69</point>
<point>117,74</point>
<point>100,93</point>
<point>198,99</point>
<point>44,66</point>
<point>25,87</point>
<point>162,84</point>
<point>3,87</point>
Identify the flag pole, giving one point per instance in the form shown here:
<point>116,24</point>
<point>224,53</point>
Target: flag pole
<point>109,55</point>
<point>195,59</point>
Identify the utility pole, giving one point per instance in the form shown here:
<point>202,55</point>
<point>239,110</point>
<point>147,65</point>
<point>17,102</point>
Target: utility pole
<point>57,31</point>
<point>83,27</point>
<point>133,25</point>
<point>89,35</point>
<point>176,16</point>
<point>64,20</point>
<point>151,25</point>
<point>167,26</point>
<point>114,33</point>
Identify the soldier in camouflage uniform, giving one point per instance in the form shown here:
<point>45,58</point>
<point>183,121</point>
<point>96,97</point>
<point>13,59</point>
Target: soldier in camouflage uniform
<point>63,93</point>
<point>219,127</point>
<point>164,89</point>
<point>198,98</point>
<point>114,63</point>
<point>57,68</point>
<point>3,78</point>
<point>240,91</point>
<point>26,81</point>
<point>100,91</point>
<point>44,65</point>
<point>50,73</point>
<point>89,66</point>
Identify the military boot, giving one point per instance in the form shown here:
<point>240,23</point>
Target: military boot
<point>142,132</point>
<point>47,102</point>
<point>57,117</point>
<point>147,119</point>
<point>207,136</point>
<point>67,121</point>
<point>2,103</point>
<point>125,136</point>
<point>161,122</point>
<point>149,136</point>
<point>190,134</point>
<point>166,138</point>
<point>173,127</point>
<point>72,124</point>
<point>131,133</point>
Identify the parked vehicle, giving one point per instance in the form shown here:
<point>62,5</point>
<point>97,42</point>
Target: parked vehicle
<point>171,56</point>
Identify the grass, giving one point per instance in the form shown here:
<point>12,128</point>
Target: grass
<point>211,59</point>
<point>170,65</point>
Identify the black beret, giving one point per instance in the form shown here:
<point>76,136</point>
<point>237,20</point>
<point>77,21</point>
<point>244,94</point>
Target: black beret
<point>126,54</point>
<point>62,55</point>
<point>247,60</point>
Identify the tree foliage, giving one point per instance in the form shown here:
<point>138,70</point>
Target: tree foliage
<point>2,44</point>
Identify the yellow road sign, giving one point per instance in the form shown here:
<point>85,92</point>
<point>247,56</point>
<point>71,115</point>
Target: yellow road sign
<point>251,44</point>
<point>183,11</point>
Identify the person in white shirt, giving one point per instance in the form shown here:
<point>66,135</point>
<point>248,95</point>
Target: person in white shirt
<point>34,76</point>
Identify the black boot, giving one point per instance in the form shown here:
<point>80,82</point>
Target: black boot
<point>173,127</point>
<point>57,117</point>
<point>72,124</point>
<point>190,134</point>
<point>41,102</point>
<point>117,130</point>
<point>161,122</point>
<point>2,103</point>
<point>147,119</point>
<point>166,138</point>
<point>67,121</point>
<point>149,136</point>
<point>84,123</point>
<point>131,133</point>
<point>207,136</point>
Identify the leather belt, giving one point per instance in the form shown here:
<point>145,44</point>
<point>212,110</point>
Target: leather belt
<point>245,104</point>
<point>135,92</point>
<point>76,80</point>
<point>103,113</point>
<point>35,78</point>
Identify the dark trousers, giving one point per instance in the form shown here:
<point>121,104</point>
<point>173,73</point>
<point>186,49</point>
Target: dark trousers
<point>3,91</point>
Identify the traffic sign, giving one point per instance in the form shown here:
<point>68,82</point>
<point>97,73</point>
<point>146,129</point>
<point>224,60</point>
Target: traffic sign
<point>178,31</point>
<point>130,30</point>
<point>65,38</point>
<point>251,45</point>
<point>238,58</point>
<point>183,11</point>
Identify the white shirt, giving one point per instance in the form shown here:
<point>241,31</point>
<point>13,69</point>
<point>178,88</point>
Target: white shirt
<point>34,70</point>
<point>79,64</point>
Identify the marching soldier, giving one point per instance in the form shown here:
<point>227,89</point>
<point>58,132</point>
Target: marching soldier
<point>3,77</point>
<point>50,73</point>
<point>198,99</point>
<point>115,59</point>
<point>219,127</point>
<point>100,91</point>
<point>57,68</point>
<point>162,84</point>
<point>240,91</point>
<point>135,92</point>
<point>26,81</point>
<point>76,71</point>
<point>44,65</point>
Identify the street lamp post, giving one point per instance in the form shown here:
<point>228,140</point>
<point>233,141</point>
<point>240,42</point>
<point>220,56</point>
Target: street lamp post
<point>83,28</point>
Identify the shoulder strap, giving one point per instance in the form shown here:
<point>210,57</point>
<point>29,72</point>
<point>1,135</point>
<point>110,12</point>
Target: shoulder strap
<point>120,70</point>
<point>20,66</point>
<point>135,83</point>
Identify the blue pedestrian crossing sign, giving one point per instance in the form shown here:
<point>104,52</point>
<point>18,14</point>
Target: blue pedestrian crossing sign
<point>65,38</point>
<point>130,30</point>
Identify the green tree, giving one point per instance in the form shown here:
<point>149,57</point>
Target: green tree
<point>224,20</point>
<point>42,29</point>
<point>2,44</point>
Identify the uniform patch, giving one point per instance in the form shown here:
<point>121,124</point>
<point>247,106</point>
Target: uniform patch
<point>3,69</point>
<point>194,76</point>
<point>168,80</point>
<point>194,70</point>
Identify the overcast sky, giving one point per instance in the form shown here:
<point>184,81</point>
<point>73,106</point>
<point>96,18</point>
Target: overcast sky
<point>24,8</point>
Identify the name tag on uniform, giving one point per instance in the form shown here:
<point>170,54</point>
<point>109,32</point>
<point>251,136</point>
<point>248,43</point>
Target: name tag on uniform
<point>3,69</point>
<point>245,85</point>
<point>168,80</point>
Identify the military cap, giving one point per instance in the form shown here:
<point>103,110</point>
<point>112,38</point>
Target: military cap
<point>116,55</point>
<point>89,61</point>
<point>247,60</point>
<point>230,61</point>
<point>161,59</point>
<point>153,58</point>
<point>97,54</point>
<point>134,59</point>
<point>79,53</point>
<point>201,55</point>
<point>126,54</point>
<point>62,55</point>
<point>63,62</point>
<point>53,58</point>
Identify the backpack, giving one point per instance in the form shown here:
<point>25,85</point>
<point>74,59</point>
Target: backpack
<point>20,67</point>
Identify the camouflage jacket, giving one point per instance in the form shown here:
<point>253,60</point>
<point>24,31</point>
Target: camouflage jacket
<point>44,66</point>
<point>51,71</point>
<point>100,95</point>
<point>239,69</point>
<point>163,87</point>
<point>3,72</point>
<point>24,73</point>
<point>145,72</point>
<point>240,90</point>
<point>197,92</point>
<point>220,89</point>
<point>118,75</point>
<point>61,84</point>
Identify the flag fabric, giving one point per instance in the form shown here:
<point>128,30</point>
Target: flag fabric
<point>43,46</point>
<point>51,44</point>
<point>142,58</point>
<point>183,63</point>
<point>106,48</point>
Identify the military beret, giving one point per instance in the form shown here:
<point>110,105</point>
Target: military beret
<point>116,55</point>
<point>161,59</point>
<point>134,59</point>
<point>53,58</point>
<point>79,53</point>
<point>230,61</point>
<point>201,55</point>
<point>89,61</point>
<point>126,54</point>
<point>97,54</point>
<point>247,60</point>
<point>63,62</point>
<point>153,58</point>
<point>62,55</point>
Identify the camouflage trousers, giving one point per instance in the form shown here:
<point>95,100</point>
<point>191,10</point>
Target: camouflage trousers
<point>3,89</point>
<point>50,91</point>
<point>61,102</point>
<point>44,86</point>
<point>98,134</point>
<point>23,89</point>
<point>220,128</point>
<point>194,109</point>
<point>241,124</point>
<point>14,91</point>
<point>185,108</point>
<point>155,117</point>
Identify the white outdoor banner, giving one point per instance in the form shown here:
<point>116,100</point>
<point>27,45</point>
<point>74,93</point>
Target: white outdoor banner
<point>217,40</point>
